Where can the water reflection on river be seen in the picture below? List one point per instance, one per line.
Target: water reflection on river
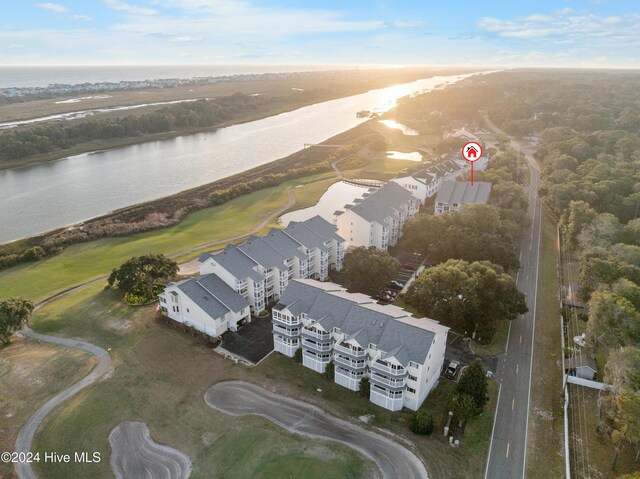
(336, 196)
(39, 198)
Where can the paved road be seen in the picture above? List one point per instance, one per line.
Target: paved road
(507, 453)
(25, 437)
(240, 398)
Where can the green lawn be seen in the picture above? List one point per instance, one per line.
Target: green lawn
(159, 377)
(30, 374)
(83, 262)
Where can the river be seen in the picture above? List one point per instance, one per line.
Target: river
(39, 198)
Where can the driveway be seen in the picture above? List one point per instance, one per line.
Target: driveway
(253, 341)
(458, 350)
(239, 398)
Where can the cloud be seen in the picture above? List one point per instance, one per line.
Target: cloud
(125, 7)
(565, 26)
(54, 7)
(539, 18)
(407, 23)
(225, 20)
(84, 18)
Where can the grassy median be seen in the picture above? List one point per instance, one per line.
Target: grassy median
(545, 451)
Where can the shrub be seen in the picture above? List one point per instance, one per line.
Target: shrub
(298, 355)
(365, 387)
(329, 371)
(421, 423)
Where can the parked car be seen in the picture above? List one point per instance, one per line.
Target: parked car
(451, 370)
(385, 298)
(388, 292)
(394, 283)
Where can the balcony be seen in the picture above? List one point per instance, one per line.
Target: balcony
(316, 334)
(361, 364)
(383, 392)
(385, 368)
(290, 321)
(350, 374)
(292, 333)
(394, 383)
(339, 348)
(316, 346)
(292, 343)
(316, 357)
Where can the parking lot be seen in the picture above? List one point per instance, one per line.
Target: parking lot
(252, 342)
(458, 350)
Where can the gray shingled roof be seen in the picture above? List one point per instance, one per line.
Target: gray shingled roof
(351, 315)
(305, 236)
(462, 192)
(382, 203)
(237, 263)
(262, 253)
(285, 244)
(323, 228)
(212, 295)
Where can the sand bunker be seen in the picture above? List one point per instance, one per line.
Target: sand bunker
(135, 454)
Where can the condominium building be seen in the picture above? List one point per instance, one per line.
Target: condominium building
(452, 195)
(260, 269)
(401, 355)
(425, 183)
(377, 219)
(205, 303)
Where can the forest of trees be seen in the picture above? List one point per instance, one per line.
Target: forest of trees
(589, 149)
(29, 141)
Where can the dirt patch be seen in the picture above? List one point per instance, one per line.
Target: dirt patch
(135, 454)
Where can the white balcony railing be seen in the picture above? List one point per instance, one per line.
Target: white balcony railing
(317, 334)
(316, 346)
(286, 332)
(388, 369)
(291, 321)
(339, 348)
(395, 383)
(350, 374)
(390, 394)
(350, 363)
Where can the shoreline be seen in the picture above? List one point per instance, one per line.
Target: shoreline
(191, 195)
(173, 208)
(344, 89)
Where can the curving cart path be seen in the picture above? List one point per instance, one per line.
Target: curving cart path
(239, 398)
(26, 434)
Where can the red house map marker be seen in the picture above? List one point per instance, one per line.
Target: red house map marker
(472, 152)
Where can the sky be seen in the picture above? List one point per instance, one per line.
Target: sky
(504, 33)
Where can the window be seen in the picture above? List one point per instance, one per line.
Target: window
(187, 310)
(412, 378)
(411, 390)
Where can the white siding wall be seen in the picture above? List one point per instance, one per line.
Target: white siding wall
(355, 230)
(191, 315)
(417, 188)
